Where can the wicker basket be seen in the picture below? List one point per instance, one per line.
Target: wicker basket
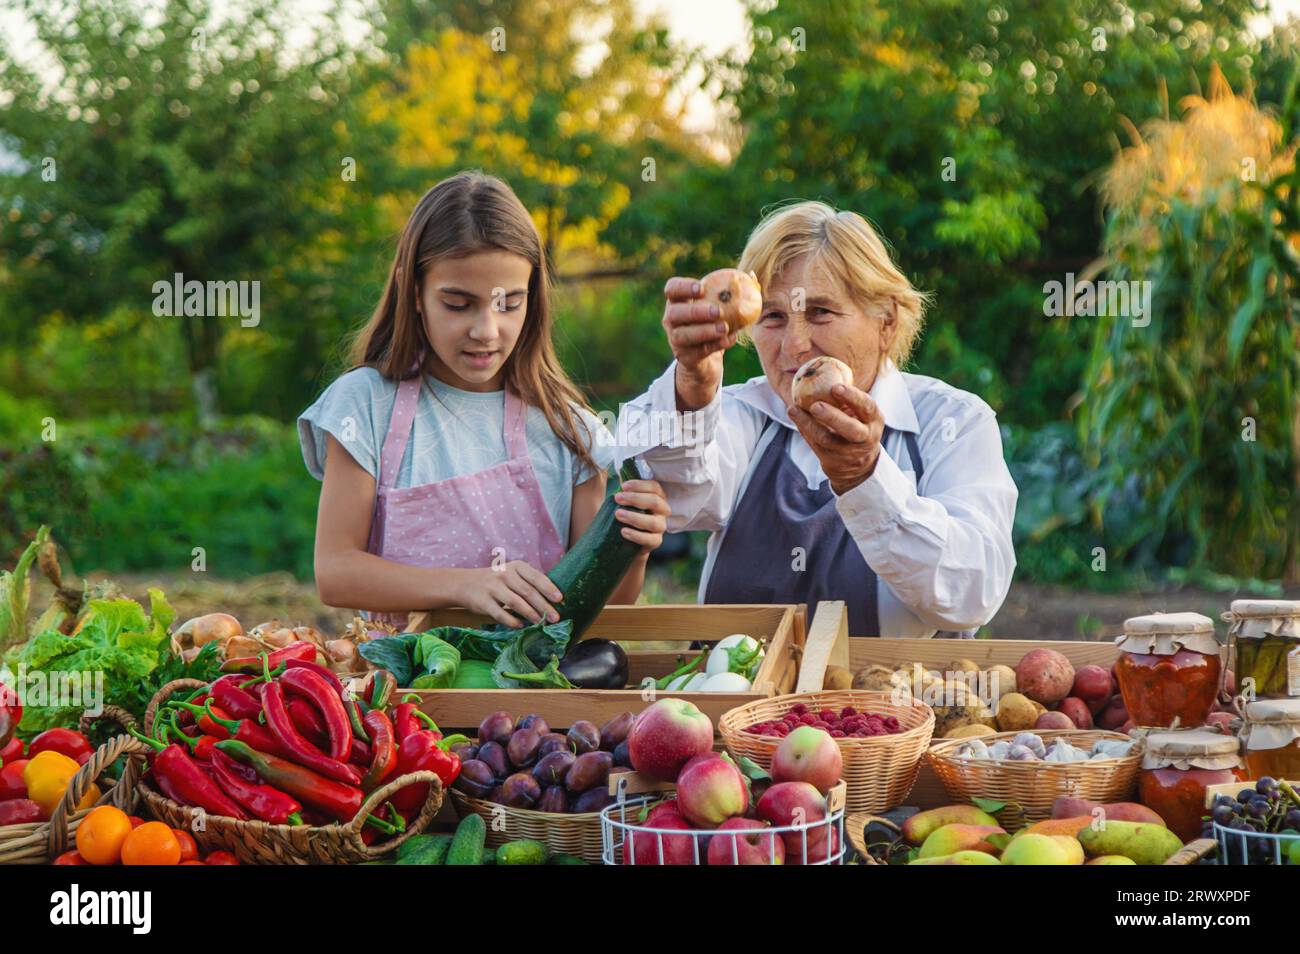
(1030, 788)
(258, 842)
(570, 834)
(879, 770)
(39, 843)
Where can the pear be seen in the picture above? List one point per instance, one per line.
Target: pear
(1043, 850)
(959, 858)
(1141, 842)
(920, 826)
(951, 839)
(1110, 860)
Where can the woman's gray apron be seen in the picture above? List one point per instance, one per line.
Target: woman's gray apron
(785, 543)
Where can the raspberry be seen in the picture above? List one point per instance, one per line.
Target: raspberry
(837, 734)
(799, 708)
(848, 711)
(828, 715)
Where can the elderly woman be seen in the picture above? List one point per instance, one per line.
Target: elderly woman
(897, 501)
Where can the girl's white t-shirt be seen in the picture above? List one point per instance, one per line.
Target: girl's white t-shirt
(454, 433)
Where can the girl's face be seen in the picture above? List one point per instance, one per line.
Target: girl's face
(473, 310)
(806, 314)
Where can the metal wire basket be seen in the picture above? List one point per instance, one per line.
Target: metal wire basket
(818, 842)
(1255, 847)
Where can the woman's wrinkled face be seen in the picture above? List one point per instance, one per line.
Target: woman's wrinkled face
(473, 310)
(807, 314)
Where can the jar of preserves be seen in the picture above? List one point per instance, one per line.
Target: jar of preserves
(1265, 637)
(1178, 767)
(1271, 734)
(1168, 669)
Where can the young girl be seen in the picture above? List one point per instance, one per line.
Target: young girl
(458, 460)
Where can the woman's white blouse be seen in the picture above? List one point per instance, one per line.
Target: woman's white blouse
(942, 553)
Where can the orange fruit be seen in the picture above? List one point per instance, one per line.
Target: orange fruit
(101, 834)
(189, 847)
(153, 843)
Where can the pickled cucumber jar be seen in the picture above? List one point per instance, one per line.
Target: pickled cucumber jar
(1265, 637)
(1271, 734)
(1178, 767)
(1168, 669)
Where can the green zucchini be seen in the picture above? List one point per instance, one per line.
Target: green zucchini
(524, 851)
(467, 844)
(592, 569)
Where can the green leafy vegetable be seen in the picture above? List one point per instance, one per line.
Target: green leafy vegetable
(549, 677)
(438, 659)
(528, 653)
(15, 589)
(394, 653)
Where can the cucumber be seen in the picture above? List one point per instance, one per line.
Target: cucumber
(563, 859)
(424, 850)
(467, 844)
(594, 566)
(525, 851)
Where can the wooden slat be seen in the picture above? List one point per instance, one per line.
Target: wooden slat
(683, 622)
(827, 645)
(934, 653)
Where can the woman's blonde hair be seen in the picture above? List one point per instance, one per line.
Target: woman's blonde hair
(467, 213)
(848, 248)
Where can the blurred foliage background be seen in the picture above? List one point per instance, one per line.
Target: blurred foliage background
(1148, 140)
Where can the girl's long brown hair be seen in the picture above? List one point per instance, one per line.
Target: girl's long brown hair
(467, 213)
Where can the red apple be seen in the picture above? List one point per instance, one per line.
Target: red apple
(1077, 711)
(795, 803)
(1092, 685)
(752, 848)
(666, 736)
(644, 846)
(820, 846)
(809, 755)
(710, 790)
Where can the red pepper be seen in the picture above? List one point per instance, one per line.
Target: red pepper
(300, 750)
(64, 741)
(262, 661)
(335, 799)
(320, 693)
(225, 692)
(323, 671)
(210, 720)
(11, 780)
(185, 777)
(12, 752)
(19, 811)
(307, 720)
(383, 748)
(11, 713)
(267, 803)
(360, 754)
(421, 751)
(354, 719)
(404, 721)
(201, 745)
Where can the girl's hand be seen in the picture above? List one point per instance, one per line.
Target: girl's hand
(647, 528)
(510, 593)
(846, 444)
(698, 336)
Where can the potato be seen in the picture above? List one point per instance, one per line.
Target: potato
(837, 677)
(970, 731)
(737, 295)
(1015, 713)
(1001, 680)
(1044, 675)
(876, 678)
(950, 718)
(964, 665)
(815, 379)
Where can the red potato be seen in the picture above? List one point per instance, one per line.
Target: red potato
(1077, 711)
(1045, 676)
(1092, 684)
(1054, 720)
(1114, 715)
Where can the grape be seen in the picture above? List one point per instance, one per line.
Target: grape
(1266, 785)
(1246, 794)
(1223, 813)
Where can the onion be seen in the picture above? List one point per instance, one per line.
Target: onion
(238, 646)
(309, 634)
(815, 379)
(278, 638)
(737, 295)
(201, 630)
(342, 654)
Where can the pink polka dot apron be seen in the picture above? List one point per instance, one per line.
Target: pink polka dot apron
(497, 514)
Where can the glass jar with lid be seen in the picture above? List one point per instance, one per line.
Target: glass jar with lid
(1271, 734)
(1265, 637)
(1178, 767)
(1168, 669)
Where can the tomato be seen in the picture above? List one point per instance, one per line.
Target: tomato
(101, 834)
(70, 858)
(11, 780)
(153, 843)
(189, 847)
(221, 858)
(64, 741)
(199, 863)
(12, 752)
(136, 821)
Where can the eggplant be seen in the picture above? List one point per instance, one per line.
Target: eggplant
(596, 664)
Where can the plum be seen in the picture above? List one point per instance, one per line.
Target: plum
(533, 721)
(494, 755)
(475, 779)
(520, 791)
(588, 770)
(522, 747)
(553, 767)
(592, 800)
(497, 727)
(584, 737)
(615, 731)
(554, 799)
(552, 742)
(622, 755)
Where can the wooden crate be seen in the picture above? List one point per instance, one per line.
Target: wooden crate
(829, 642)
(779, 627)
